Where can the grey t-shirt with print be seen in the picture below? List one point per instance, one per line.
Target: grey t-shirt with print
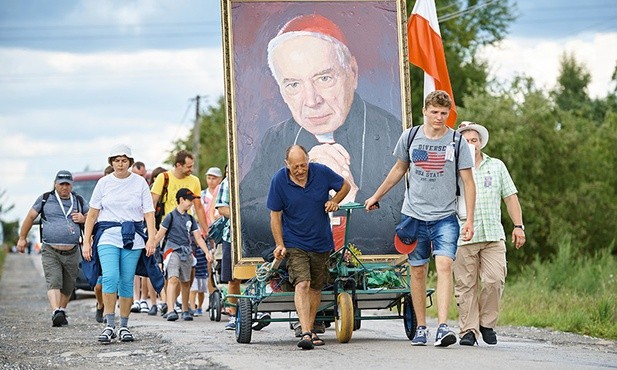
(431, 194)
(58, 229)
(180, 228)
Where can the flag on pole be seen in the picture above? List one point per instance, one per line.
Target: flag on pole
(426, 51)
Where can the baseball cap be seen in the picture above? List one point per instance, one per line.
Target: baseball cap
(406, 237)
(214, 171)
(64, 177)
(185, 193)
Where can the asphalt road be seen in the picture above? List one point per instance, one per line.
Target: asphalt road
(28, 341)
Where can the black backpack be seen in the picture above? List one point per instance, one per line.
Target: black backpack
(80, 208)
(456, 138)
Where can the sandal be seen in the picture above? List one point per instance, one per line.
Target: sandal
(316, 340)
(307, 341)
(107, 335)
(125, 335)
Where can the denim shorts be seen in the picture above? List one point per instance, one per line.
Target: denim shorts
(438, 237)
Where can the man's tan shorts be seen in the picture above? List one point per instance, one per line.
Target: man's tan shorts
(307, 266)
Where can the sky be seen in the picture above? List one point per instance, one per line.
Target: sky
(79, 76)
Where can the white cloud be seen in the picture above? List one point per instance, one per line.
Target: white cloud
(539, 59)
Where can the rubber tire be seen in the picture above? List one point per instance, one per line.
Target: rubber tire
(344, 321)
(244, 321)
(217, 306)
(409, 317)
(214, 303)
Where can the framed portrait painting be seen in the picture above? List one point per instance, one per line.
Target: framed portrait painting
(331, 76)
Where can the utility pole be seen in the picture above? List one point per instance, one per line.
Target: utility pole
(196, 138)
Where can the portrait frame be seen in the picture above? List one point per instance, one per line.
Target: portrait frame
(246, 26)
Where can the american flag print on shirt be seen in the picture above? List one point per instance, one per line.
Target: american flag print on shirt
(430, 161)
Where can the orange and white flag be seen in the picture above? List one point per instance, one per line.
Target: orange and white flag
(426, 51)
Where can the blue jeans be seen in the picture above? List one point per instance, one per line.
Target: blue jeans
(438, 237)
(118, 269)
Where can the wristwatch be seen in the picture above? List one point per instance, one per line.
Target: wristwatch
(520, 227)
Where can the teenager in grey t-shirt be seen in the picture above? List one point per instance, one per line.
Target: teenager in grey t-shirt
(431, 194)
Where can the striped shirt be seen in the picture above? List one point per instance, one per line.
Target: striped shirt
(493, 183)
(222, 200)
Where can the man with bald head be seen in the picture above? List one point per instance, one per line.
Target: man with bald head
(299, 203)
(317, 76)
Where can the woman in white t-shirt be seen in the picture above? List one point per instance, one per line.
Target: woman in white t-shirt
(115, 227)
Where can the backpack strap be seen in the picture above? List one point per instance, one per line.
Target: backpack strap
(171, 221)
(165, 185)
(412, 135)
(42, 213)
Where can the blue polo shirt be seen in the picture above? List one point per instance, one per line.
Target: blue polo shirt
(306, 224)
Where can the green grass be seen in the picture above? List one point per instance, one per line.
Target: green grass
(3, 250)
(569, 293)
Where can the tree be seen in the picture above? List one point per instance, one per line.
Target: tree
(212, 139)
(467, 26)
(9, 227)
(572, 83)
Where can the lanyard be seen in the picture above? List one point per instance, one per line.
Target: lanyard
(66, 213)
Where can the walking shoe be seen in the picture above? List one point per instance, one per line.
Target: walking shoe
(64, 322)
(445, 336)
(297, 329)
(231, 324)
(257, 325)
(99, 314)
(153, 310)
(135, 307)
(125, 335)
(469, 339)
(198, 312)
(107, 335)
(144, 307)
(187, 316)
(420, 338)
(319, 327)
(172, 316)
(178, 307)
(488, 335)
(163, 309)
(58, 318)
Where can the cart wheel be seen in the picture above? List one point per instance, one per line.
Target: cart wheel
(409, 317)
(357, 322)
(217, 306)
(244, 321)
(344, 321)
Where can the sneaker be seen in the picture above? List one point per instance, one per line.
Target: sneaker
(58, 318)
(187, 316)
(144, 307)
(172, 316)
(178, 307)
(198, 312)
(445, 336)
(64, 322)
(153, 310)
(420, 338)
(488, 335)
(297, 329)
(231, 324)
(107, 335)
(257, 325)
(99, 314)
(469, 339)
(163, 309)
(135, 307)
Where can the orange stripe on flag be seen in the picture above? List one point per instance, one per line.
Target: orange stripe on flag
(426, 51)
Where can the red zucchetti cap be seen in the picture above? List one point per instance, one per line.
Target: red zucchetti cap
(314, 23)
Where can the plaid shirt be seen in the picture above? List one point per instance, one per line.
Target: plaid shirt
(493, 183)
(222, 200)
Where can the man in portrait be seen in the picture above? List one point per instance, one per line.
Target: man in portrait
(317, 77)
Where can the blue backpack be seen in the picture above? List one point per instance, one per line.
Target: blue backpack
(215, 231)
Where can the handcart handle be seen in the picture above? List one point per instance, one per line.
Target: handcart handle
(351, 205)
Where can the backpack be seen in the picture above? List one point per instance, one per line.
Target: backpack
(215, 230)
(159, 210)
(456, 138)
(80, 209)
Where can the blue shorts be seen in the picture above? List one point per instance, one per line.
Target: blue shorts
(438, 237)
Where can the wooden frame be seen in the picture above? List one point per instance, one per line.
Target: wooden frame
(375, 34)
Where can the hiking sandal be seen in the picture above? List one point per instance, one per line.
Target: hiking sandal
(125, 335)
(306, 342)
(316, 340)
(107, 335)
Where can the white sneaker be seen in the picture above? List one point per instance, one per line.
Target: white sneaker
(231, 325)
